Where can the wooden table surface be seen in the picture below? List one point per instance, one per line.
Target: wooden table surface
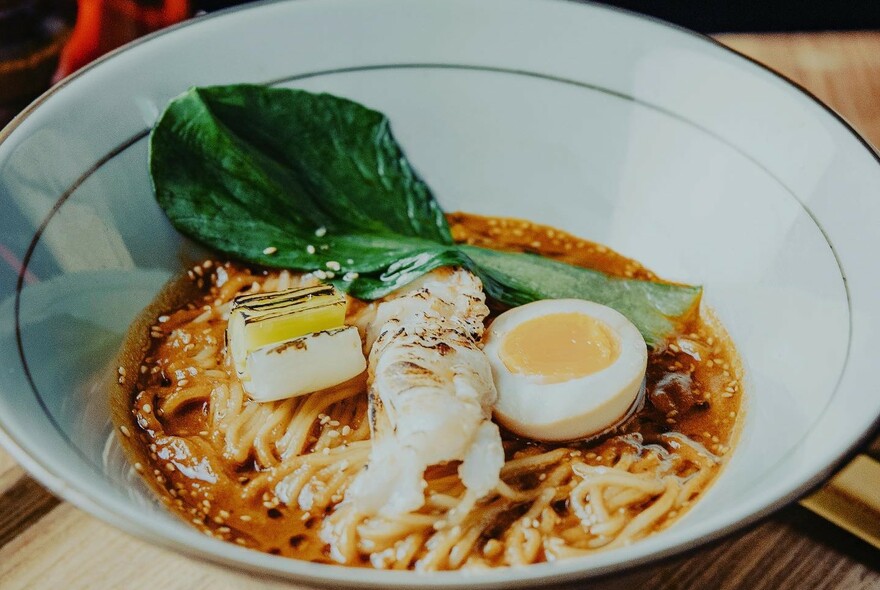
(45, 543)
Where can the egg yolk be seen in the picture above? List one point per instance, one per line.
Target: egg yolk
(559, 347)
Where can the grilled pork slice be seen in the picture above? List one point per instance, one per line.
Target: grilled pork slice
(430, 393)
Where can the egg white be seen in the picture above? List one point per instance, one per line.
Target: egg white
(573, 409)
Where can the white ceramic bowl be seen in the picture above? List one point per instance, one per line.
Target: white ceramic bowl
(653, 140)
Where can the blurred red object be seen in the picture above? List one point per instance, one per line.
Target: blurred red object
(104, 25)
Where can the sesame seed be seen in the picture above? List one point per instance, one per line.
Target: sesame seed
(333, 434)
(245, 518)
(325, 451)
(147, 408)
(492, 548)
(330, 274)
(124, 430)
(223, 513)
(349, 261)
(333, 265)
(346, 430)
(138, 467)
(182, 382)
(310, 249)
(163, 319)
(321, 232)
(208, 264)
(350, 276)
(320, 274)
(270, 250)
(169, 466)
(334, 422)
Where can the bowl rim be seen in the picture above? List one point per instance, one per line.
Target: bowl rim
(84, 500)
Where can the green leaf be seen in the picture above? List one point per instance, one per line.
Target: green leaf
(512, 278)
(246, 168)
(291, 179)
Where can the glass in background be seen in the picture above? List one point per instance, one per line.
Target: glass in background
(42, 41)
(32, 36)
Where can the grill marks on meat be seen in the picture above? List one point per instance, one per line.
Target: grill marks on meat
(430, 393)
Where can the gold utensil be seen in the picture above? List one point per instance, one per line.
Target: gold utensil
(851, 500)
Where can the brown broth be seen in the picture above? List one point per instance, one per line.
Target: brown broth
(693, 388)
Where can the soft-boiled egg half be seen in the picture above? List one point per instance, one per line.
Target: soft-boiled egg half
(565, 369)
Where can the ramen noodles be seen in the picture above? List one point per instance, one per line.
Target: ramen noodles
(277, 476)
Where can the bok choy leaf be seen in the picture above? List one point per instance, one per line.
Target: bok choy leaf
(291, 179)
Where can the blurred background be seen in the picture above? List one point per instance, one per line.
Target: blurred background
(41, 41)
